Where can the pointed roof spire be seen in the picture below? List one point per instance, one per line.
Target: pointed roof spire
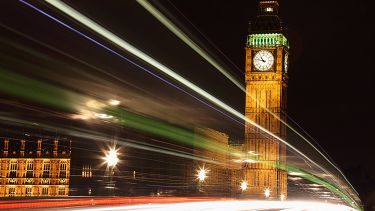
(267, 20)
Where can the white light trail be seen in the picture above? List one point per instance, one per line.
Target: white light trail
(227, 205)
(114, 102)
(180, 34)
(146, 58)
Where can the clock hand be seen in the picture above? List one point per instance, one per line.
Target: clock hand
(262, 59)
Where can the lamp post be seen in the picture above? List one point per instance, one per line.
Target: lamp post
(201, 176)
(267, 193)
(111, 159)
(243, 185)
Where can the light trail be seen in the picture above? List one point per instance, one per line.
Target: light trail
(180, 34)
(96, 136)
(126, 46)
(128, 60)
(149, 60)
(169, 203)
(229, 205)
(185, 38)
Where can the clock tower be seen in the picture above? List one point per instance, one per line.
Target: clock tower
(266, 87)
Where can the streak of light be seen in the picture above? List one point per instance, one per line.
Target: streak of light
(130, 61)
(114, 102)
(229, 205)
(103, 116)
(96, 136)
(295, 178)
(126, 46)
(149, 60)
(180, 34)
(185, 38)
(144, 124)
(296, 173)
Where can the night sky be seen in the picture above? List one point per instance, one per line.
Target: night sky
(332, 77)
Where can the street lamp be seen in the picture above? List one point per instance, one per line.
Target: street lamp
(202, 174)
(267, 192)
(111, 158)
(243, 185)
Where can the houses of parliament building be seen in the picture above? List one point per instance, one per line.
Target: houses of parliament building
(34, 167)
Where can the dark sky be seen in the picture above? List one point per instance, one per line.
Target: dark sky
(331, 73)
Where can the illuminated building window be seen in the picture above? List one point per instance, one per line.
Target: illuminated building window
(62, 170)
(86, 172)
(46, 168)
(29, 181)
(12, 191)
(45, 181)
(61, 191)
(62, 181)
(12, 181)
(45, 191)
(269, 9)
(13, 169)
(29, 191)
(29, 169)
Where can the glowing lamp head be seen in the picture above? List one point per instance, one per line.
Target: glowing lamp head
(243, 185)
(267, 192)
(111, 158)
(202, 174)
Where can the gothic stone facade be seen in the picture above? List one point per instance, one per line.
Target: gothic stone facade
(34, 167)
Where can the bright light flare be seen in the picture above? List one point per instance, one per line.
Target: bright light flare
(202, 174)
(267, 192)
(111, 158)
(243, 185)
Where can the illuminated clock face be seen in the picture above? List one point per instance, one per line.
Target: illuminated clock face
(286, 63)
(263, 60)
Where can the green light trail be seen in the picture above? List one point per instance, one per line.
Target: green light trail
(39, 92)
(52, 96)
